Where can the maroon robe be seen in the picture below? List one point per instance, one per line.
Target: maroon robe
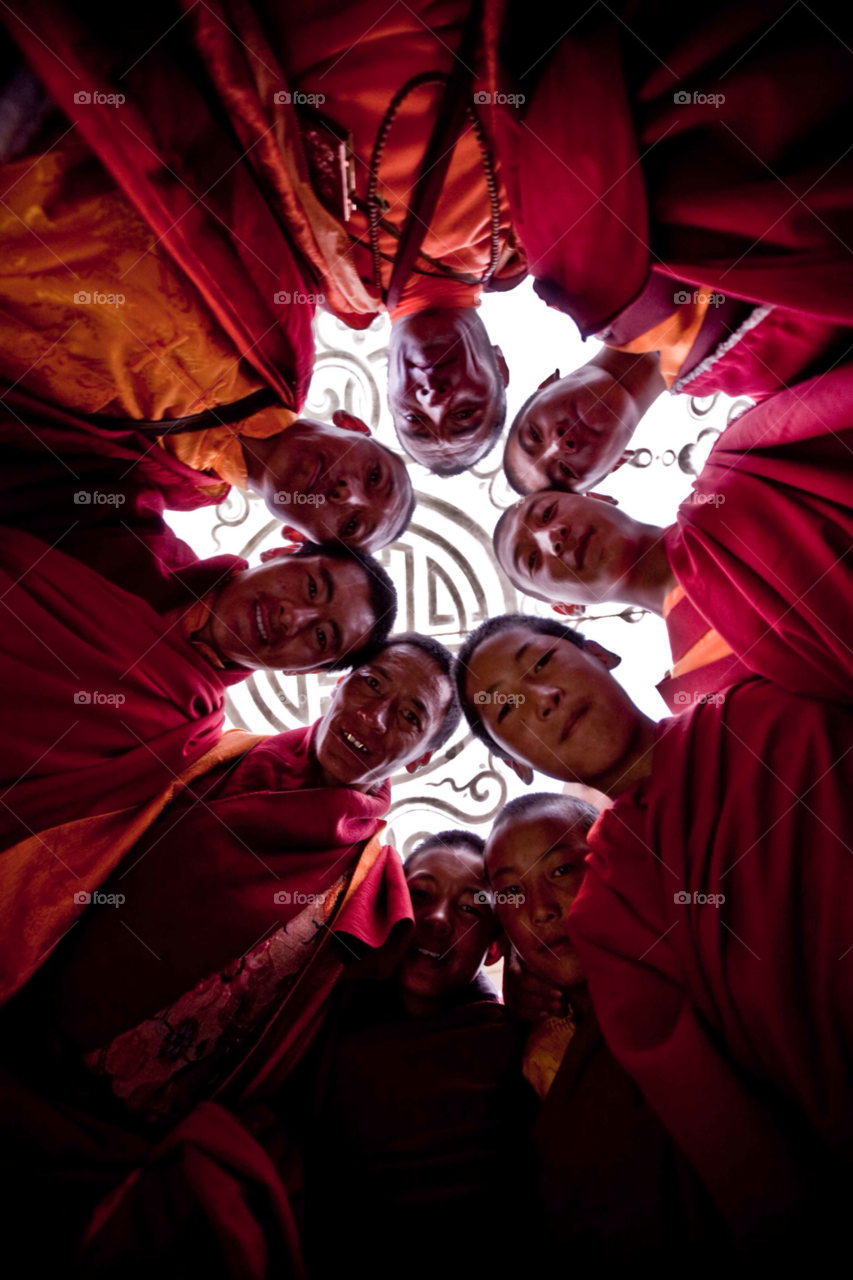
(763, 547)
(412, 1121)
(749, 197)
(204, 1189)
(615, 1187)
(734, 1014)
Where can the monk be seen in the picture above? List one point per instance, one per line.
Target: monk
(714, 910)
(752, 578)
(418, 1097)
(277, 882)
(613, 1183)
(152, 376)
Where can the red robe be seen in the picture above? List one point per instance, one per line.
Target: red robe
(411, 1119)
(171, 148)
(71, 645)
(735, 1016)
(244, 834)
(763, 547)
(750, 197)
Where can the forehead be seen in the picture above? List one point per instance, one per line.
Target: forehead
(412, 672)
(522, 842)
(345, 573)
(450, 866)
(503, 646)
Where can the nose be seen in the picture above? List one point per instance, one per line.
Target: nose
(374, 715)
(438, 917)
(346, 490)
(545, 909)
(546, 702)
(553, 540)
(562, 439)
(292, 618)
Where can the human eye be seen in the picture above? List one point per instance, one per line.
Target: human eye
(374, 477)
(412, 718)
(312, 586)
(546, 515)
(543, 661)
(322, 641)
(350, 527)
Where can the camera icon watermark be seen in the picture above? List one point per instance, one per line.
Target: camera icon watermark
(482, 98)
(83, 698)
(682, 98)
(683, 296)
(684, 899)
(284, 898)
(283, 299)
(286, 498)
(82, 98)
(481, 697)
(490, 898)
(299, 99)
(84, 899)
(83, 298)
(88, 497)
(683, 698)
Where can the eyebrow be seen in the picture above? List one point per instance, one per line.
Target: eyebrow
(421, 706)
(329, 583)
(522, 651)
(338, 642)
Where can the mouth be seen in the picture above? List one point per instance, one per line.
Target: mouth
(262, 629)
(558, 946)
(581, 547)
(352, 741)
(573, 719)
(434, 957)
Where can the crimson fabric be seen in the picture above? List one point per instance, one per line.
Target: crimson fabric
(31, 425)
(763, 547)
(685, 625)
(205, 1197)
(70, 641)
(614, 1185)
(735, 1017)
(413, 1120)
(224, 847)
(118, 529)
(750, 196)
(171, 149)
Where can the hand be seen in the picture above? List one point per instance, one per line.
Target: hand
(528, 998)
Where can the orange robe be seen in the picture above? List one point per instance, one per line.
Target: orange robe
(358, 56)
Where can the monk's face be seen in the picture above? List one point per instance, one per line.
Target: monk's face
(383, 717)
(335, 485)
(551, 705)
(445, 386)
(566, 548)
(573, 433)
(454, 923)
(535, 866)
(296, 613)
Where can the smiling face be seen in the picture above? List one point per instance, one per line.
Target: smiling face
(536, 867)
(568, 549)
(342, 486)
(445, 386)
(551, 705)
(573, 433)
(454, 923)
(294, 614)
(383, 716)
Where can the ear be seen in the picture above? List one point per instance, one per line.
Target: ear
(349, 422)
(497, 950)
(604, 656)
(552, 377)
(522, 771)
(289, 533)
(569, 610)
(273, 553)
(626, 457)
(419, 764)
(605, 497)
(502, 365)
